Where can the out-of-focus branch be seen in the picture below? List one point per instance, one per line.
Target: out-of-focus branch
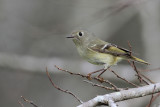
(149, 70)
(125, 4)
(123, 95)
(60, 89)
(28, 101)
(26, 62)
(30, 63)
(21, 103)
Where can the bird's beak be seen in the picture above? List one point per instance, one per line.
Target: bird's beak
(72, 36)
(69, 37)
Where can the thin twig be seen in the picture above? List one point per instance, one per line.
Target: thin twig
(21, 104)
(70, 72)
(108, 82)
(85, 76)
(135, 68)
(139, 75)
(147, 79)
(98, 85)
(148, 70)
(130, 48)
(155, 97)
(123, 78)
(132, 64)
(60, 89)
(31, 102)
(151, 100)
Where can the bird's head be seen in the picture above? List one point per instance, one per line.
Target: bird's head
(80, 37)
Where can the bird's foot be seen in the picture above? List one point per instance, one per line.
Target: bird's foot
(100, 79)
(89, 76)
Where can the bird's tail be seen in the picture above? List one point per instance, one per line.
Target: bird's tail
(139, 60)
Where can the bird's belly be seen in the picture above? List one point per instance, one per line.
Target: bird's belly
(98, 58)
(101, 59)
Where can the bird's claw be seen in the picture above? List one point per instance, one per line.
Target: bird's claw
(100, 79)
(89, 76)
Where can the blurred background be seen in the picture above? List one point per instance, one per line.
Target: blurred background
(32, 37)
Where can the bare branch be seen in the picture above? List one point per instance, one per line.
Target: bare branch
(28, 101)
(147, 79)
(60, 89)
(139, 75)
(85, 76)
(151, 98)
(21, 104)
(148, 70)
(123, 78)
(130, 48)
(154, 98)
(70, 72)
(108, 82)
(101, 86)
(133, 64)
(122, 95)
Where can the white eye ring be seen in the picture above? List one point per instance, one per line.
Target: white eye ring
(80, 33)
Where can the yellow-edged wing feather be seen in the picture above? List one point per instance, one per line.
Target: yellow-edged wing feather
(116, 51)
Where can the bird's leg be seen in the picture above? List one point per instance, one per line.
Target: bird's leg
(89, 74)
(104, 70)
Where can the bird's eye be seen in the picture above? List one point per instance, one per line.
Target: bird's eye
(80, 33)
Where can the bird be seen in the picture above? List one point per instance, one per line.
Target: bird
(99, 52)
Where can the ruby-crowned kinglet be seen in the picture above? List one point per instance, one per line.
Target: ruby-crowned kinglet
(99, 52)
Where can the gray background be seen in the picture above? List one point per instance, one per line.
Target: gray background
(32, 36)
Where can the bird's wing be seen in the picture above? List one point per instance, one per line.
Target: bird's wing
(125, 50)
(111, 49)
